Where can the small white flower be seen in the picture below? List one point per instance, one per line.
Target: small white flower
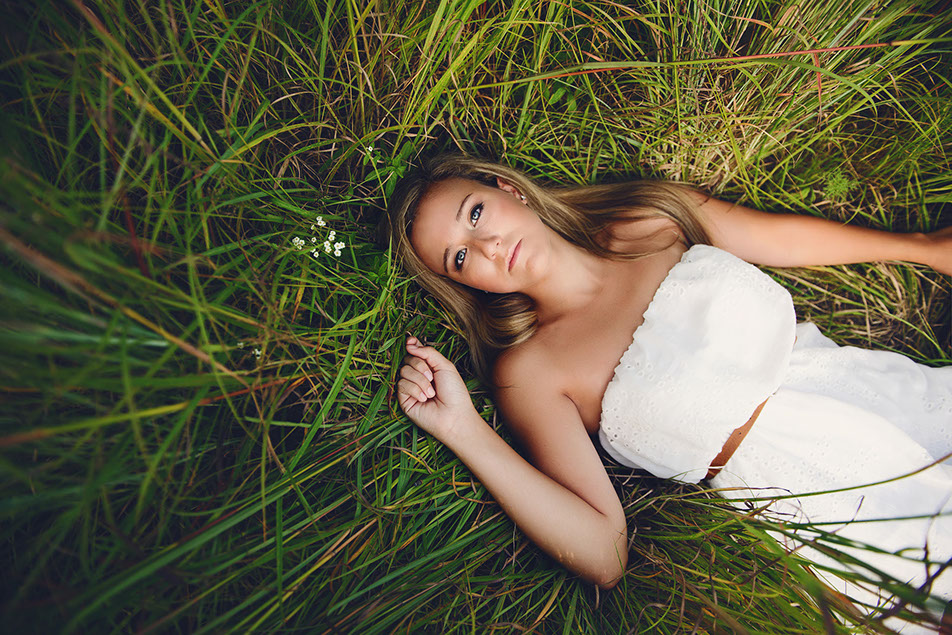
(313, 239)
(297, 242)
(332, 235)
(370, 149)
(320, 222)
(241, 344)
(313, 228)
(257, 352)
(337, 252)
(339, 245)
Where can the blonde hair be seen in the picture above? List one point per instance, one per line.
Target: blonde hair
(492, 322)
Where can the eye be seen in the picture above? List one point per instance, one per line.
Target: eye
(475, 213)
(460, 257)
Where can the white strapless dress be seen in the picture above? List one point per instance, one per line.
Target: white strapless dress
(719, 338)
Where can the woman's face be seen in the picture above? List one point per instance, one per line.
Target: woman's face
(482, 236)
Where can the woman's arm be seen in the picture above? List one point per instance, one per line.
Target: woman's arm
(578, 521)
(791, 240)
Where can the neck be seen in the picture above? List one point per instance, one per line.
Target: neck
(575, 277)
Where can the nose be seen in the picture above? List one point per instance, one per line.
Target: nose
(489, 246)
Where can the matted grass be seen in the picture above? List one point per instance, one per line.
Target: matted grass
(198, 432)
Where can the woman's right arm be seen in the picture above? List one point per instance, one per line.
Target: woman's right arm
(569, 508)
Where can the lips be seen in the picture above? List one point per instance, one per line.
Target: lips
(514, 255)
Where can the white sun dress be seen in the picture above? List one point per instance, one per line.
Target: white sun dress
(718, 339)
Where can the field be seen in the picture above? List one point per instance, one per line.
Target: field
(197, 427)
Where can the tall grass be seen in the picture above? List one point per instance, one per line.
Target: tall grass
(198, 431)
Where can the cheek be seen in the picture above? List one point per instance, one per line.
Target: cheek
(478, 277)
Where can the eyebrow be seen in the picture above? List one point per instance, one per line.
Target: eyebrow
(459, 212)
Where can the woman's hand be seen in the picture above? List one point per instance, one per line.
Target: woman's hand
(431, 392)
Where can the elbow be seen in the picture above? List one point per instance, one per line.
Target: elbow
(614, 564)
(610, 577)
(608, 585)
(603, 569)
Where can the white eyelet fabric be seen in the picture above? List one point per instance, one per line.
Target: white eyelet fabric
(719, 337)
(716, 341)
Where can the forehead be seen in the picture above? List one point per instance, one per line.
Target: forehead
(446, 193)
(436, 217)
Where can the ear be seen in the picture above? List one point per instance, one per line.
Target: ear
(506, 186)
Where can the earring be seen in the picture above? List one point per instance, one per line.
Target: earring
(523, 197)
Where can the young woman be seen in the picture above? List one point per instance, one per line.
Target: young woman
(718, 380)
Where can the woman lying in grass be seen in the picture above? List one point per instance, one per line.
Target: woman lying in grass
(718, 381)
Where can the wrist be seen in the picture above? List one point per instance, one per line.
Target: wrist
(465, 431)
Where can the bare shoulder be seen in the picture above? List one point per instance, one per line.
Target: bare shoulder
(527, 366)
(654, 233)
(528, 382)
(643, 235)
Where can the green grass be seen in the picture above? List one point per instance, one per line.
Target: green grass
(159, 158)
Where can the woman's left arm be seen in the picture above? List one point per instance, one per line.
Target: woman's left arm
(791, 240)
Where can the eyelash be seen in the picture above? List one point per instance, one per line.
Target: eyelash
(477, 211)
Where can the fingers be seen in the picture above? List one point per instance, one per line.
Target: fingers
(416, 374)
(409, 395)
(427, 353)
(419, 365)
(419, 381)
(423, 369)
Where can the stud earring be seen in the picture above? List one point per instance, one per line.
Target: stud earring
(523, 197)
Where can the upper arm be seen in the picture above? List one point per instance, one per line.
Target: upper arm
(795, 240)
(750, 234)
(548, 424)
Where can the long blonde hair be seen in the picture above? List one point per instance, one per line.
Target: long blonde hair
(493, 322)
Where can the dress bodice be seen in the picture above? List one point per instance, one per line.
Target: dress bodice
(715, 342)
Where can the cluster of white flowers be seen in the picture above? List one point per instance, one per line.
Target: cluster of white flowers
(331, 245)
(335, 247)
